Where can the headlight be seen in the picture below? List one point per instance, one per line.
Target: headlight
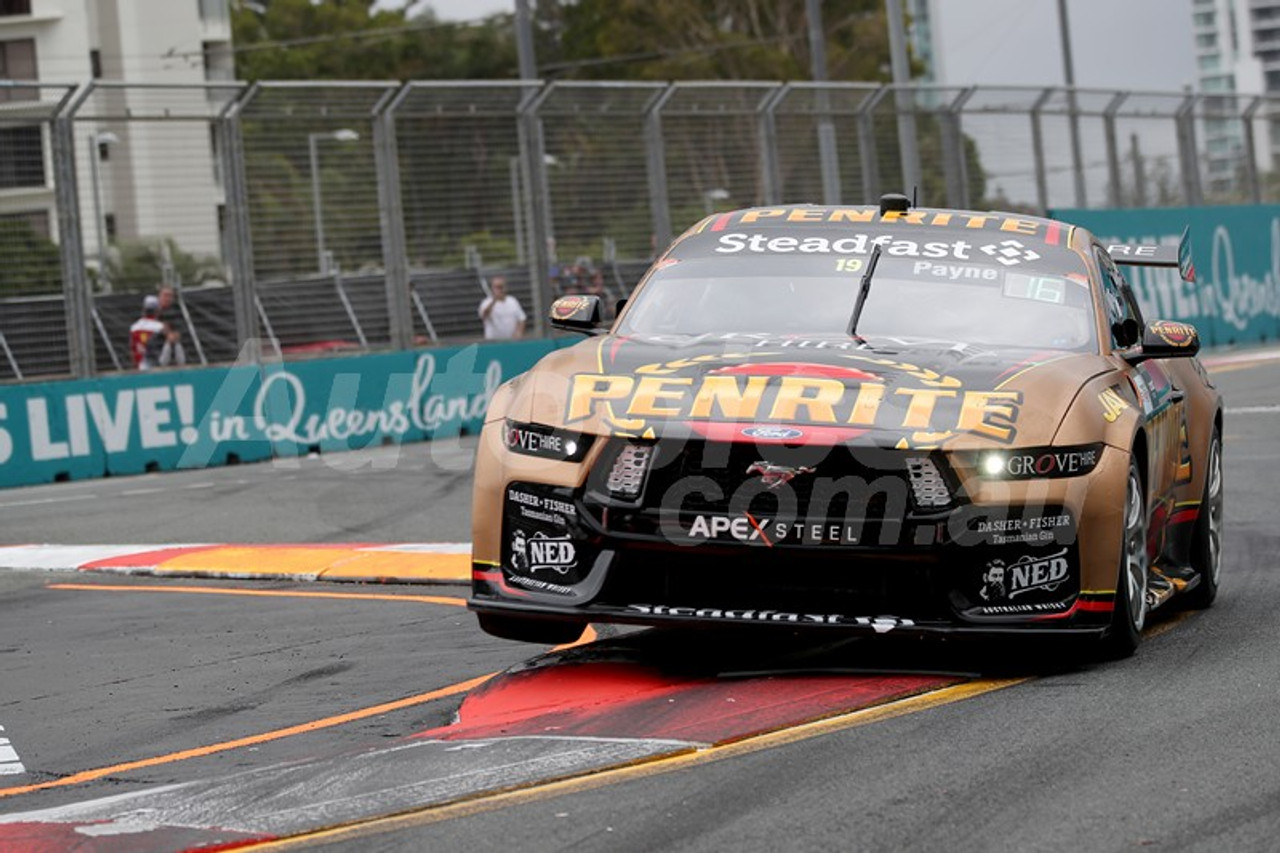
(545, 442)
(1039, 463)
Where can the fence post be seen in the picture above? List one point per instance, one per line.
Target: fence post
(767, 133)
(533, 154)
(1187, 157)
(1251, 150)
(244, 285)
(1114, 196)
(1037, 150)
(75, 284)
(953, 159)
(655, 158)
(386, 158)
(868, 159)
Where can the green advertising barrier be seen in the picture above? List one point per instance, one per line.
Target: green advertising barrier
(1236, 250)
(165, 420)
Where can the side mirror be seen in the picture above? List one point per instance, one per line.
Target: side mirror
(1167, 339)
(576, 314)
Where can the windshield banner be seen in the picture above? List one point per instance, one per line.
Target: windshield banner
(163, 420)
(1236, 252)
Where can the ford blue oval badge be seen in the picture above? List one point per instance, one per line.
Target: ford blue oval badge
(772, 432)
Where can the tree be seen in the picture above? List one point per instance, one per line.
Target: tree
(32, 264)
(709, 39)
(349, 40)
(140, 266)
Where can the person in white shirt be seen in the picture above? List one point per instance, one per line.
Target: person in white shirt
(501, 312)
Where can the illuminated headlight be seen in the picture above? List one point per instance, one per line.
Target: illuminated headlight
(1040, 463)
(545, 442)
(993, 464)
(927, 483)
(626, 478)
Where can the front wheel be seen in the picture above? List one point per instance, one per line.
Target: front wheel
(1206, 543)
(1130, 614)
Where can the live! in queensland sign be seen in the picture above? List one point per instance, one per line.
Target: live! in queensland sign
(163, 420)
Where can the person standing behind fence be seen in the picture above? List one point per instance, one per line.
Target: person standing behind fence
(166, 295)
(503, 317)
(151, 343)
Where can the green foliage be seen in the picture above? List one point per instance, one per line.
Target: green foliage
(709, 39)
(138, 267)
(494, 250)
(32, 264)
(348, 40)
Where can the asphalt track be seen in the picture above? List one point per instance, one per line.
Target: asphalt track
(164, 713)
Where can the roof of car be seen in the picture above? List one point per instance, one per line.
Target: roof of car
(834, 221)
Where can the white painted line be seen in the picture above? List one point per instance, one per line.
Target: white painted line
(66, 558)
(10, 764)
(424, 548)
(40, 501)
(1238, 357)
(1253, 410)
(129, 493)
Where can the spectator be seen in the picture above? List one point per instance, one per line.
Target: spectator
(166, 295)
(151, 342)
(596, 288)
(502, 315)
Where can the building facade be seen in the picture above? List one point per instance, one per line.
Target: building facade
(128, 173)
(1237, 48)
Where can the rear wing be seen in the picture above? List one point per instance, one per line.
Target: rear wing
(1153, 255)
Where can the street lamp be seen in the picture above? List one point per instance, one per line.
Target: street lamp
(96, 141)
(710, 197)
(345, 134)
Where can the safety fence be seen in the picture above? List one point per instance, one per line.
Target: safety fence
(295, 217)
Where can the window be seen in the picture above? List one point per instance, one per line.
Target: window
(1117, 297)
(95, 63)
(15, 7)
(23, 162)
(18, 62)
(109, 222)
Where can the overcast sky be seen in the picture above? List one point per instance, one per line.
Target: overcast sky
(1117, 44)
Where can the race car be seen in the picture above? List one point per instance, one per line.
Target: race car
(869, 418)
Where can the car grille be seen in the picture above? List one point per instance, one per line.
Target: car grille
(813, 482)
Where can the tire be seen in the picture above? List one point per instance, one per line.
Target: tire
(1130, 615)
(543, 631)
(1206, 541)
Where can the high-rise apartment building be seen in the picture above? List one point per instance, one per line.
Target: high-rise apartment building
(140, 167)
(1237, 46)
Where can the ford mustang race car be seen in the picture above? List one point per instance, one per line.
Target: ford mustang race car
(861, 419)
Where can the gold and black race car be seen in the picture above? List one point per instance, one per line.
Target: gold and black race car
(861, 419)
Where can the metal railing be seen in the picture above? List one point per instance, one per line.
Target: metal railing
(368, 215)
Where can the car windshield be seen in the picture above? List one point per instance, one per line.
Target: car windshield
(1042, 306)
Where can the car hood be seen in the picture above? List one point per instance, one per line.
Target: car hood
(826, 390)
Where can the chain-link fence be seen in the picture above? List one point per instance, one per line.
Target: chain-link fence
(294, 218)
